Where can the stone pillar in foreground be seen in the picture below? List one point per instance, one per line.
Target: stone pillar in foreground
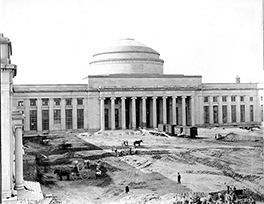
(17, 126)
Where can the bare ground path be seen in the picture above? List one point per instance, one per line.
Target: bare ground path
(206, 165)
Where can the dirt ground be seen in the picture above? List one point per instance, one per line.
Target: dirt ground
(205, 164)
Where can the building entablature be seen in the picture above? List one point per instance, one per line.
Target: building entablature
(229, 86)
(49, 88)
(157, 88)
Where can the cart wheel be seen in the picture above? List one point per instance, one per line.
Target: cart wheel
(85, 175)
(75, 176)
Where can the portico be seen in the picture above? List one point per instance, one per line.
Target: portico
(131, 112)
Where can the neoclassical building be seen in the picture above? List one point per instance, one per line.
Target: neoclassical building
(129, 90)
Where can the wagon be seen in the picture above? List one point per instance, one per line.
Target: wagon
(85, 170)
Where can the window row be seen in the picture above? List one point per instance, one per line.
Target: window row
(224, 114)
(224, 98)
(33, 119)
(45, 102)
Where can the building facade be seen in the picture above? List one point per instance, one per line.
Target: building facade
(129, 90)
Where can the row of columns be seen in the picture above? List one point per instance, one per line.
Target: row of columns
(51, 107)
(144, 119)
(229, 103)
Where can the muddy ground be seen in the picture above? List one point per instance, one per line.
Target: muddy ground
(205, 164)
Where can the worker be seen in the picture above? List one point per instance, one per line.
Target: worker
(179, 178)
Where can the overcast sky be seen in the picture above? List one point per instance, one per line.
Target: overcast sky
(53, 41)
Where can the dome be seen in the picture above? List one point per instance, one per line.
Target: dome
(127, 56)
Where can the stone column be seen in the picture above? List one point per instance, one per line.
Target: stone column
(51, 114)
(39, 114)
(247, 109)
(123, 101)
(144, 112)
(164, 110)
(220, 110)
(27, 120)
(257, 111)
(102, 113)
(174, 117)
(211, 112)
(183, 111)
(193, 110)
(74, 113)
(63, 122)
(201, 110)
(154, 98)
(134, 112)
(113, 113)
(18, 124)
(19, 158)
(228, 98)
(238, 120)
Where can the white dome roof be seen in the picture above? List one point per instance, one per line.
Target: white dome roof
(129, 56)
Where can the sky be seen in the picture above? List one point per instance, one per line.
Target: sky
(53, 41)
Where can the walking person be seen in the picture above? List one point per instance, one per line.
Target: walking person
(179, 178)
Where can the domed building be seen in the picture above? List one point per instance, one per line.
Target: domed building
(128, 90)
(127, 56)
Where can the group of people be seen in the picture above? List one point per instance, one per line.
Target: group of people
(228, 197)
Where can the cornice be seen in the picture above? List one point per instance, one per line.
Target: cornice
(122, 60)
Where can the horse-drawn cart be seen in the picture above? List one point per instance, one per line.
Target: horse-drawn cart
(81, 170)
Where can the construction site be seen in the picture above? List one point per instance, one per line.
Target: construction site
(142, 166)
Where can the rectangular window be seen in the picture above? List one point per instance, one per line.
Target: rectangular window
(251, 113)
(224, 98)
(79, 101)
(45, 119)
(68, 101)
(206, 99)
(57, 116)
(215, 111)
(241, 98)
(20, 103)
(45, 102)
(215, 99)
(33, 119)
(233, 98)
(224, 112)
(32, 102)
(206, 114)
(57, 101)
(233, 113)
(80, 118)
(242, 113)
(68, 118)
(251, 98)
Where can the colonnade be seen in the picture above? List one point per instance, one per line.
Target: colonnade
(240, 113)
(146, 111)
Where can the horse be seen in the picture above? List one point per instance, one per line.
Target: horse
(63, 172)
(124, 143)
(137, 142)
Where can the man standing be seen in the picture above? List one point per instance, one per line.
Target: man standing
(179, 178)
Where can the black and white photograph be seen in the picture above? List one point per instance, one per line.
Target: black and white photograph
(131, 102)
